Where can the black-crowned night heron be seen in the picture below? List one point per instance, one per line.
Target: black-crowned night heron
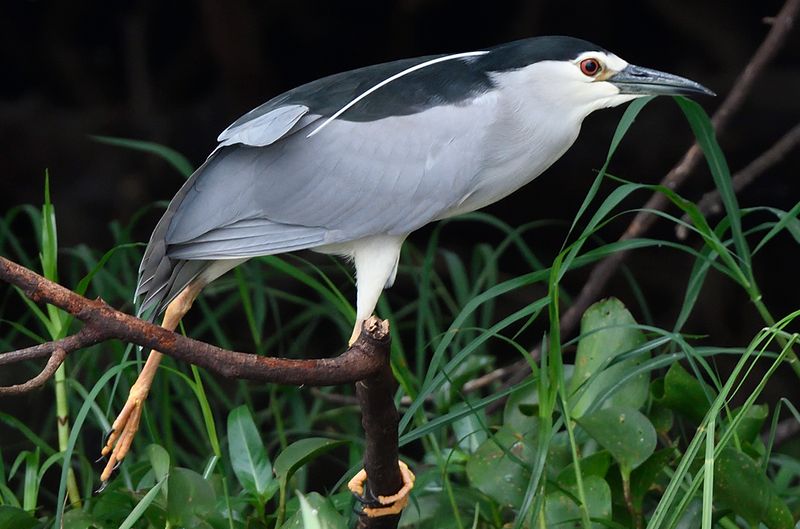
(351, 164)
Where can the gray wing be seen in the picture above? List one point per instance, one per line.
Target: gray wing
(269, 188)
(351, 180)
(265, 129)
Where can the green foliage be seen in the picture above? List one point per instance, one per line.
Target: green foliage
(626, 426)
(248, 457)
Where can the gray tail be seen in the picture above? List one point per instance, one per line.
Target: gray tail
(162, 278)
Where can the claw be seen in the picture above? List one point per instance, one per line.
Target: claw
(368, 498)
(382, 505)
(107, 436)
(103, 485)
(101, 459)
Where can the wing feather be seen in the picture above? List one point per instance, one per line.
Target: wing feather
(264, 129)
(271, 188)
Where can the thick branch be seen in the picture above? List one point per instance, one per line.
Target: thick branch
(103, 323)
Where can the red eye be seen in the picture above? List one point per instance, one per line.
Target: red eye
(591, 67)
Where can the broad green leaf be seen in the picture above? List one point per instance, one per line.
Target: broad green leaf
(143, 504)
(500, 467)
(159, 460)
(608, 330)
(596, 464)
(520, 411)
(561, 511)
(425, 511)
(111, 508)
(16, 518)
(316, 512)
(742, 486)
(190, 498)
(661, 417)
(624, 432)
(74, 519)
(248, 455)
(299, 453)
(683, 393)
(645, 476)
(470, 430)
(750, 425)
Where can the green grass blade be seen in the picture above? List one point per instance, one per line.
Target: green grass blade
(137, 512)
(706, 138)
(622, 128)
(171, 156)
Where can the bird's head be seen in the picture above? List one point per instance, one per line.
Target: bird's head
(578, 76)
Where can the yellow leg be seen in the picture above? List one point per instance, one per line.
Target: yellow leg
(393, 504)
(127, 422)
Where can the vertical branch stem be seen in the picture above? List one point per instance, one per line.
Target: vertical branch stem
(379, 418)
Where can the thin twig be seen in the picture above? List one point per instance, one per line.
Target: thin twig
(55, 360)
(710, 203)
(86, 337)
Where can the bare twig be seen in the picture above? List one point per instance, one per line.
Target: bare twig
(55, 360)
(103, 323)
(710, 202)
(84, 338)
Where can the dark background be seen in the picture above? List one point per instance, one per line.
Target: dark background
(178, 72)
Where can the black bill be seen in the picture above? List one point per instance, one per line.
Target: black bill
(644, 81)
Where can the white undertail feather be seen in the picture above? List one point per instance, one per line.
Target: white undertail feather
(375, 259)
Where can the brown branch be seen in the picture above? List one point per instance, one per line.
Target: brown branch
(84, 338)
(781, 26)
(375, 396)
(366, 362)
(710, 203)
(101, 322)
(55, 360)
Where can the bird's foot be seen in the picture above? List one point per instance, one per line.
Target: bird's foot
(119, 439)
(382, 505)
